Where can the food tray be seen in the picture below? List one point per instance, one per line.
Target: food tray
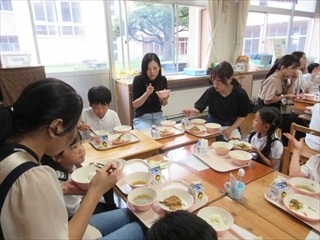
(203, 134)
(175, 133)
(217, 162)
(97, 146)
(314, 224)
(236, 232)
(148, 217)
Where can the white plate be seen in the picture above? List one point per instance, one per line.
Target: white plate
(236, 142)
(124, 138)
(185, 196)
(310, 209)
(200, 127)
(169, 129)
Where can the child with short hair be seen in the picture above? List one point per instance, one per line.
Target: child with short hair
(263, 138)
(98, 116)
(181, 224)
(64, 164)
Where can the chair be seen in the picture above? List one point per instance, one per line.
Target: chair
(14, 80)
(306, 152)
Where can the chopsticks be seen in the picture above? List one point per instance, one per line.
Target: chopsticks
(92, 130)
(101, 165)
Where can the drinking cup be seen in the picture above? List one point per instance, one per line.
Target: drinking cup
(235, 192)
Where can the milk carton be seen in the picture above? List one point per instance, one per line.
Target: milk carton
(104, 141)
(202, 146)
(196, 189)
(185, 122)
(278, 189)
(155, 170)
(155, 133)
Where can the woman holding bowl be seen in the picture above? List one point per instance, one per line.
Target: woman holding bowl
(145, 100)
(228, 102)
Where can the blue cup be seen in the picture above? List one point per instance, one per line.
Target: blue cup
(235, 192)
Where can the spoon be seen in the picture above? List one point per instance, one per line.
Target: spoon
(241, 173)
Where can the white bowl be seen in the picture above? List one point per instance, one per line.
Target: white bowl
(207, 213)
(165, 131)
(122, 128)
(163, 93)
(184, 195)
(222, 148)
(121, 163)
(198, 121)
(82, 176)
(139, 179)
(305, 186)
(124, 138)
(240, 157)
(212, 127)
(309, 96)
(240, 145)
(310, 209)
(142, 198)
(168, 123)
(199, 128)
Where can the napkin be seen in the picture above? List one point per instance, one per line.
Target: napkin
(195, 163)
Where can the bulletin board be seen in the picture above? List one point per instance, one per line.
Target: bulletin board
(279, 45)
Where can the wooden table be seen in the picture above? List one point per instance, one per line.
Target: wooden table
(178, 172)
(255, 201)
(145, 148)
(253, 172)
(250, 221)
(303, 103)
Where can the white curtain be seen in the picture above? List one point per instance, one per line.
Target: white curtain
(242, 15)
(215, 16)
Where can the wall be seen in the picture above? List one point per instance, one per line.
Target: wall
(82, 81)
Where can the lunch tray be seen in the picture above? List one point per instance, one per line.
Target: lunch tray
(203, 134)
(314, 224)
(236, 232)
(215, 161)
(148, 217)
(175, 133)
(97, 146)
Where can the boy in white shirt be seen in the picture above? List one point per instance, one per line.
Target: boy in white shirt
(312, 141)
(98, 116)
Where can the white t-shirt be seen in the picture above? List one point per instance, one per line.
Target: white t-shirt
(276, 148)
(312, 86)
(312, 168)
(108, 122)
(313, 142)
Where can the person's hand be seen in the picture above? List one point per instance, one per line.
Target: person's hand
(149, 89)
(70, 188)
(84, 127)
(226, 133)
(105, 178)
(190, 112)
(290, 96)
(254, 149)
(314, 72)
(294, 77)
(296, 144)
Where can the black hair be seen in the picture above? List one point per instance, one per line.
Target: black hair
(39, 104)
(181, 224)
(312, 66)
(271, 116)
(47, 160)
(144, 68)
(99, 95)
(286, 61)
(224, 71)
(299, 54)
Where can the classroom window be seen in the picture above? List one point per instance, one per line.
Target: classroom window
(9, 44)
(5, 5)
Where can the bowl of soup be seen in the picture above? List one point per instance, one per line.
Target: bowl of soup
(222, 148)
(305, 186)
(141, 199)
(240, 157)
(139, 179)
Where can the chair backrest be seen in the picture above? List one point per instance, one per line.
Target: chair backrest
(287, 155)
(14, 80)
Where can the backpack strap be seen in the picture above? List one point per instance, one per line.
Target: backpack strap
(10, 179)
(251, 135)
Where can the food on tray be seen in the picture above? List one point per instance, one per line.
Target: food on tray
(195, 128)
(165, 131)
(294, 204)
(142, 199)
(222, 148)
(139, 182)
(173, 202)
(305, 188)
(239, 156)
(242, 145)
(217, 222)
